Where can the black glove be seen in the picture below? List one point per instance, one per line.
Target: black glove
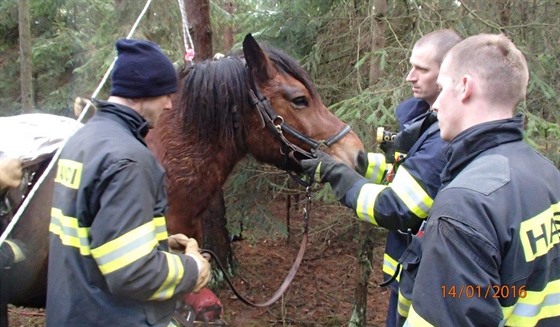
(362, 163)
(11, 252)
(324, 169)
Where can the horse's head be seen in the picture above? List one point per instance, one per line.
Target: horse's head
(287, 101)
(262, 103)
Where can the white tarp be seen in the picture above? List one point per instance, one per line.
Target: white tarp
(31, 137)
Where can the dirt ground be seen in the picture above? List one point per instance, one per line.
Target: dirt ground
(321, 293)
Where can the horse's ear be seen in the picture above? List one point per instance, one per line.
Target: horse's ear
(259, 65)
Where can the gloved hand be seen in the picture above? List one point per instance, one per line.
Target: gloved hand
(191, 249)
(10, 172)
(11, 252)
(325, 169)
(362, 163)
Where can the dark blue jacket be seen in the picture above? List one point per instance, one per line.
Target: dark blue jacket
(490, 252)
(108, 259)
(403, 203)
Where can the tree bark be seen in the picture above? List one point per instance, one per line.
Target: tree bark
(229, 7)
(198, 15)
(378, 26)
(504, 8)
(26, 64)
(365, 264)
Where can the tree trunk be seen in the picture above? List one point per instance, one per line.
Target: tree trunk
(229, 7)
(365, 264)
(198, 15)
(504, 8)
(215, 233)
(378, 25)
(26, 65)
(119, 4)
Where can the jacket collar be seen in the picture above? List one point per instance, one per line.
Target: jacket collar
(470, 143)
(126, 116)
(410, 110)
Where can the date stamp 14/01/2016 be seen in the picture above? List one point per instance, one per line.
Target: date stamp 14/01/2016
(483, 292)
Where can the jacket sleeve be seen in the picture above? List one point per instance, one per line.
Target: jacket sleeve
(129, 237)
(455, 278)
(405, 202)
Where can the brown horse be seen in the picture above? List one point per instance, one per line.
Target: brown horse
(261, 103)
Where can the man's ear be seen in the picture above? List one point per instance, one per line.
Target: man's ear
(467, 87)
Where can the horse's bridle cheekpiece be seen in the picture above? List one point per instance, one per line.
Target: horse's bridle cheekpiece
(278, 127)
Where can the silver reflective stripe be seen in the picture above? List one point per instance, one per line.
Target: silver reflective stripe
(366, 201)
(411, 193)
(125, 249)
(531, 310)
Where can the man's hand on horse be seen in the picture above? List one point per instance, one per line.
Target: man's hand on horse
(11, 172)
(325, 169)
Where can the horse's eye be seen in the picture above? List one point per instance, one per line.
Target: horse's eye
(300, 102)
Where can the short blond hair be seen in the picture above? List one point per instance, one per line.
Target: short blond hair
(441, 41)
(495, 60)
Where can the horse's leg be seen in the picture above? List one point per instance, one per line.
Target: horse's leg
(215, 234)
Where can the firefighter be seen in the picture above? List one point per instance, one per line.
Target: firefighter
(489, 254)
(399, 195)
(110, 262)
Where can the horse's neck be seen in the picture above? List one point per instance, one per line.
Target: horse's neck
(203, 167)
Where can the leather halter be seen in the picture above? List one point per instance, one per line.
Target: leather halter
(278, 127)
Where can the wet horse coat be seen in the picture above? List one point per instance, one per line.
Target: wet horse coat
(214, 123)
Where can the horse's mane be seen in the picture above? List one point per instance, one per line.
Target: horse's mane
(213, 89)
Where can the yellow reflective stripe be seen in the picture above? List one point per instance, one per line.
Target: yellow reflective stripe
(366, 201)
(376, 167)
(399, 156)
(536, 305)
(390, 266)
(69, 173)
(411, 193)
(161, 228)
(174, 276)
(126, 249)
(415, 320)
(404, 305)
(69, 231)
(540, 233)
(317, 176)
(16, 250)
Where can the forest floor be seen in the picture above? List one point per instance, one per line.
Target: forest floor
(322, 291)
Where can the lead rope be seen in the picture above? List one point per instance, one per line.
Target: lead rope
(54, 159)
(291, 274)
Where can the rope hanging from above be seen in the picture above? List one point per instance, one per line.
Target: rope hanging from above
(187, 40)
(54, 159)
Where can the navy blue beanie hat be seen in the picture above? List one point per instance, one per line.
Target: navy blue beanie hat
(142, 70)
